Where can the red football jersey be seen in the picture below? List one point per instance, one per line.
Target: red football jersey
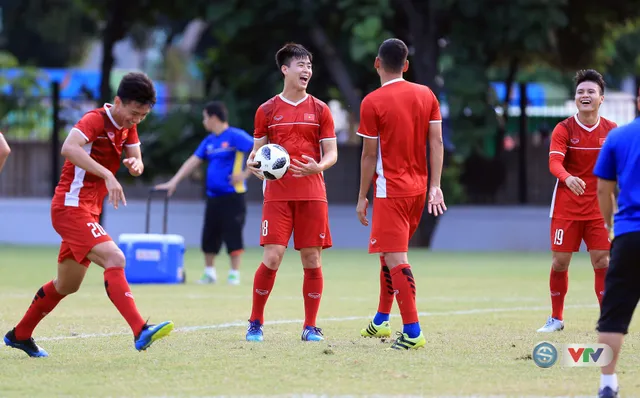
(105, 142)
(578, 147)
(398, 114)
(299, 127)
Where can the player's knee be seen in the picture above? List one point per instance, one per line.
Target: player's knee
(310, 258)
(600, 261)
(560, 262)
(115, 258)
(272, 257)
(66, 288)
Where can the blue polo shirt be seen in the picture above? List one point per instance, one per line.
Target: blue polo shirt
(619, 160)
(225, 154)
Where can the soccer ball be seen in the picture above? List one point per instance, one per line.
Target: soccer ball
(273, 160)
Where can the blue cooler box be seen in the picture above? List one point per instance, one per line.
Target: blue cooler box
(153, 258)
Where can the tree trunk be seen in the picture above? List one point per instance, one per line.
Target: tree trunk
(502, 121)
(335, 66)
(423, 30)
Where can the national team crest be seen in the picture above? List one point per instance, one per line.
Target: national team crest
(574, 141)
(309, 117)
(602, 141)
(225, 144)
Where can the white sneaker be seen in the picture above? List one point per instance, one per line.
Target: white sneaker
(233, 279)
(552, 325)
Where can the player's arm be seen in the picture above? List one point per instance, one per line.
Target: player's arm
(4, 151)
(259, 140)
(73, 151)
(368, 129)
(606, 172)
(329, 153)
(185, 170)
(133, 154)
(245, 144)
(557, 153)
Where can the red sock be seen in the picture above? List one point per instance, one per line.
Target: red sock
(600, 275)
(405, 286)
(43, 303)
(558, 286)
(386, 289)
(312, 291)
(119, 292)
(263, 283)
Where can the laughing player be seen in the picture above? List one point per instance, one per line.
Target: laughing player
(575, 215)
(296, 203)
(93, 151)
(397, 121)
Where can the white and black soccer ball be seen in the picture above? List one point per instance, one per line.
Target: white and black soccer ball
(273, 160)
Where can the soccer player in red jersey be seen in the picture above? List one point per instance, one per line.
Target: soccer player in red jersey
(296, 203)
(575, 214)
(4, 151)
(397, 121)
(93, 150)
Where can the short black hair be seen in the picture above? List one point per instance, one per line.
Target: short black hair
(217, 109)
(590, 75)
(136, 86)
(291, 51)
(393, 54)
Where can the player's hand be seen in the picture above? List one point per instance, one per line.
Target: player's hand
(170, 187)
(576, 185)
(361, 210)
(253, 166)
(116, 194)
(436, 205)
(305, 169)
(237, 178)
(134, 165)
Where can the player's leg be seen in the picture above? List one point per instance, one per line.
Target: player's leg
(233, 230)
(68, 281)
(380, 325)
(109, 256)
(596, 238)
(408, 212)
(275, 231)
(566, 236)
(311, 234)
(621, 296)
(211, 240)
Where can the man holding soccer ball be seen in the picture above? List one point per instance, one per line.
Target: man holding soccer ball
(297, 202)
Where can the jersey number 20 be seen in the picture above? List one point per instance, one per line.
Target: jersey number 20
(96, 229)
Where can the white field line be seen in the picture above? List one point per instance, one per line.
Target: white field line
(336, 319)
(221, 296)
(379, 396)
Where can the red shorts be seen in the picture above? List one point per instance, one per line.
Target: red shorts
(80, 232)
(567, 235)
(307, 220)
(395, 220)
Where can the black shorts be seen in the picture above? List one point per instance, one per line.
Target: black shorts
(622, 285)
(223, 222)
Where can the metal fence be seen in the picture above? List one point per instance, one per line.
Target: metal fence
(34, 166)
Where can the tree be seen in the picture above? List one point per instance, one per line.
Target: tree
(46, 33)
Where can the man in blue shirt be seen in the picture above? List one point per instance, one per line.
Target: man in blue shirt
(619, 162)
(225, 150)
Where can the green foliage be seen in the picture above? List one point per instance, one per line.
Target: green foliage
(46, 33)
(23, 111)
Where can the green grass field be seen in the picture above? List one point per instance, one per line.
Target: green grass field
(479, 313)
